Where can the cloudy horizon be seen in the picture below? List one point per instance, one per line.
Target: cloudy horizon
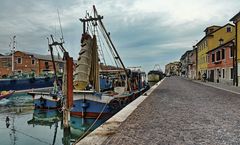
(145, 33)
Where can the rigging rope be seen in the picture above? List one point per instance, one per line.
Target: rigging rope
(109, 45)
(91, 30)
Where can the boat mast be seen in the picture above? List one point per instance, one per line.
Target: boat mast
(94, 73)
(13, 48)
(52, 56)
(114, 48)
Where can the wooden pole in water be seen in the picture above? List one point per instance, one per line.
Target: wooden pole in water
(67, 89)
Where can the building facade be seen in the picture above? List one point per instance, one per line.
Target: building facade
(25, 62)
(173, 68)
(214, 37)
(220, 63)
(185, 62)
(192, 66)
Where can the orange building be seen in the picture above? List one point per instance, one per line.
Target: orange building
(220, 63)
(25, 62)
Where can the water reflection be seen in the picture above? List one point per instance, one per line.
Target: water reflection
(79, 126)
(26, 125)
(45, 117)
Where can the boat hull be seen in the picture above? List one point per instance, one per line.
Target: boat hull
(26, 83)
(92, 105)
(7, 95)
(46, 102)
(155, 76)
(90, 109)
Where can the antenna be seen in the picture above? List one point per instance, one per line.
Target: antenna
(62, 39)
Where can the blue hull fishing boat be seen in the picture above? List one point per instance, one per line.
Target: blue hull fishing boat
(89, 100)
(26, 83)
(53, 98)
(45, 100)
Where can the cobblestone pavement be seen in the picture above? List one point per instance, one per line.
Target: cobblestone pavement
(182, 112)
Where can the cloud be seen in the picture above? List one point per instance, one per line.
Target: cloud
(144, 32)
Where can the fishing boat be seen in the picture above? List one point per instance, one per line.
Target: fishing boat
(30, 83)
(6, 94)
(47, 100)
(88, 100)
(156, 74)
(138, 81)
(52, 99)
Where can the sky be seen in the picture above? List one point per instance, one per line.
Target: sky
(145, 32)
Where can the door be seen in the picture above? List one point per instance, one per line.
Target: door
(211, 78)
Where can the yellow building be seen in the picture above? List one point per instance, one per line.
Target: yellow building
(214, 36)
(236, 21)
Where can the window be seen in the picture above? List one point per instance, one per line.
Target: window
(46, 65)
(223, 53)
(218, 56)
(33, 61)
(213, 57)
(231, 51)
(229, 29)
(19, 60)
(211, 30)
(223, 73)
(231, 73)
(218, 73)
(221, 41)
(6, 64)
(19, 71)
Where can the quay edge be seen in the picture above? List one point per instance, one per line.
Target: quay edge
(99, 135)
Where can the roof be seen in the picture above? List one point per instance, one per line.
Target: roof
(6, 56)
(210, 34)
(210, 27)
(184, 55)
(234, 18)
(42, 57)
(224, 44)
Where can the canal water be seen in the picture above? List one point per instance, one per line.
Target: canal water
(27, 126)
